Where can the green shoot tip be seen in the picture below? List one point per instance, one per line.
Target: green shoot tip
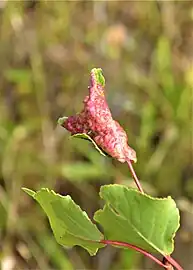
(98, 76)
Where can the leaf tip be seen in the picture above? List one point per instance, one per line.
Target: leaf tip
(29, 191)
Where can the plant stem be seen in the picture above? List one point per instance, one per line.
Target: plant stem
(173, 262)
(135, 176)
(144, 252)
(124, 244)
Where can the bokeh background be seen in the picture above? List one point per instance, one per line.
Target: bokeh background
(47, 49)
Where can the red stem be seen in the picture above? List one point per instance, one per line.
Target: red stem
(135, 176)
(144, 252)
(124, 244)
(173, 262)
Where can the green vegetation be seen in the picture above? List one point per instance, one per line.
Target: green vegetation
(129, 218)
(47, 50)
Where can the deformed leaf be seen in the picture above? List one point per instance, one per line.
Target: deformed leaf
(135, 218)
(71, 226)
(95, 121)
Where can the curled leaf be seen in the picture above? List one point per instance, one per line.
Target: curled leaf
(96, 121)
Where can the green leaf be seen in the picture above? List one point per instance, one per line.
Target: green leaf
(85, 136)
(71, 226)
(135, 218)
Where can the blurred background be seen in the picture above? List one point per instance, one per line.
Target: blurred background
(47, 49)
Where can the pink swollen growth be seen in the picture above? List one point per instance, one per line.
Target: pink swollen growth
(96, 121)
